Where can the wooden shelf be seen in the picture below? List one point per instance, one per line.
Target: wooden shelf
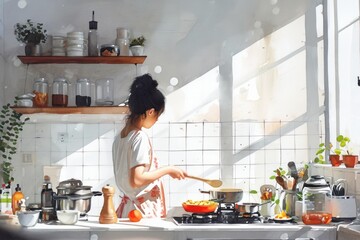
(81, 60)
(74, 110)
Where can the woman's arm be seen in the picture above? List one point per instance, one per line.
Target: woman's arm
(139, 176)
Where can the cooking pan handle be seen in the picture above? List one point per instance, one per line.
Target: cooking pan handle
(202, 191)
(97, 193)
(57, 197)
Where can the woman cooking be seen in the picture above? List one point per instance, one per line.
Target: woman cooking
(135, 167)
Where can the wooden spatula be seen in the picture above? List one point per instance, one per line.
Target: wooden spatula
(212, 182)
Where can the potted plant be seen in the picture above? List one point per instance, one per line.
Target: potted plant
(11, 124)
(137, 46)
(349, 159)
(334, 156)
(31, 34)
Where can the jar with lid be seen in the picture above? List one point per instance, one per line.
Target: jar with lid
(316, 196)
(104, 92)
(40, 89)
(83, 93)
(60, 92)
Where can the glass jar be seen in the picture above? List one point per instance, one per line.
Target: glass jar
(40, 89)
(104, 92)
(316, 201)
(83, 93)
(60, 96)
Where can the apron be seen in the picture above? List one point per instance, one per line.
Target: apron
(150, 201)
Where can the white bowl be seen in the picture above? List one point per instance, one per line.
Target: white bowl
(28, 218)
(68, 216)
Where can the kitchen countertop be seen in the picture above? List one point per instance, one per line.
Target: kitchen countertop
(167, 229)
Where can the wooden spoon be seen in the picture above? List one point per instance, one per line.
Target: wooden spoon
(214, 183)
(280, 181)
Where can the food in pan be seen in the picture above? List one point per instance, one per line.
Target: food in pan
(200, 206)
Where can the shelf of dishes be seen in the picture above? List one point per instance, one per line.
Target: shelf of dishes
(82, 60)
(73, 110)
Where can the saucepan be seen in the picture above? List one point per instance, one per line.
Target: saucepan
(249, 207)
(225, 195)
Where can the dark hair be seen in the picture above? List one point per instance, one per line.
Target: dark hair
(144, 95)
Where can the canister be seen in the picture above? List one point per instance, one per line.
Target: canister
(60, 92)
(104, 92)
(316, 196)
(40, 89)
(83, 93)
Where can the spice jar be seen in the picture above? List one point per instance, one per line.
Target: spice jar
(83, 93)
(316, 201)
(60, 92)
(40, 89)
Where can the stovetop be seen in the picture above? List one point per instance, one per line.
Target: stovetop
(225, 214)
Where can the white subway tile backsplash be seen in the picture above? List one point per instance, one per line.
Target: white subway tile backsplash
(194, 157)
(177, 130)
(42, 144)
(211, 129)
(91, 131)
(194, 130)
(242, 154)
(58, 158)
(90, 173)
(27, 144)
(194, 143)
(211, 143)
(105, 144)
(105, 158)
(91, 145)
(74, 159)
(177, 158)
(177, 144)
(42, 130)
(91, 158)
(211, 157)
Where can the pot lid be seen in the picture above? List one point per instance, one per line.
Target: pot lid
(316, 181)
(70, 183)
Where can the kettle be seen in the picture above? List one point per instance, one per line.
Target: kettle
(316, 196)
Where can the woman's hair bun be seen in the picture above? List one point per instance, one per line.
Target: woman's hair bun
(143, 84)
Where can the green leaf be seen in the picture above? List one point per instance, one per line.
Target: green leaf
(253, 192)
(272, 177)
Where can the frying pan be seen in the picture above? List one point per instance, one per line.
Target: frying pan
(200, 208)
(225, 195)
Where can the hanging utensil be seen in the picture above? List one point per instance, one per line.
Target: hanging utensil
(212, 182)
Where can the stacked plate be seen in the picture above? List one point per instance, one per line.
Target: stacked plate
(58, 46)
(76, 45)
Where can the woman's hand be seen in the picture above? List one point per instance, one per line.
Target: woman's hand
(177, 173)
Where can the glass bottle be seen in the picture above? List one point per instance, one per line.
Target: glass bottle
(92, 37)
(316, 201)
(60, 92)
(16, 199)
(40, 89)
(83, 93)
(104, 92)
(47, 193)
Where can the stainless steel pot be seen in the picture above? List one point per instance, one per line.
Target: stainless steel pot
(82, 203)
(249, 207)
(225, 195)
(72, 195)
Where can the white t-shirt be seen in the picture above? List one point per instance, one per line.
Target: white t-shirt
(128, 152)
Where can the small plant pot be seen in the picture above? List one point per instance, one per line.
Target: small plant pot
(335, 160)
(350, 160)
(137, 50)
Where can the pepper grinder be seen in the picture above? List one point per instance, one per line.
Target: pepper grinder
(108, 214)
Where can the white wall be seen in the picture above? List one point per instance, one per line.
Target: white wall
(189, 40)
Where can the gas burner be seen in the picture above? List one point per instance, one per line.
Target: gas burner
(251, 215)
